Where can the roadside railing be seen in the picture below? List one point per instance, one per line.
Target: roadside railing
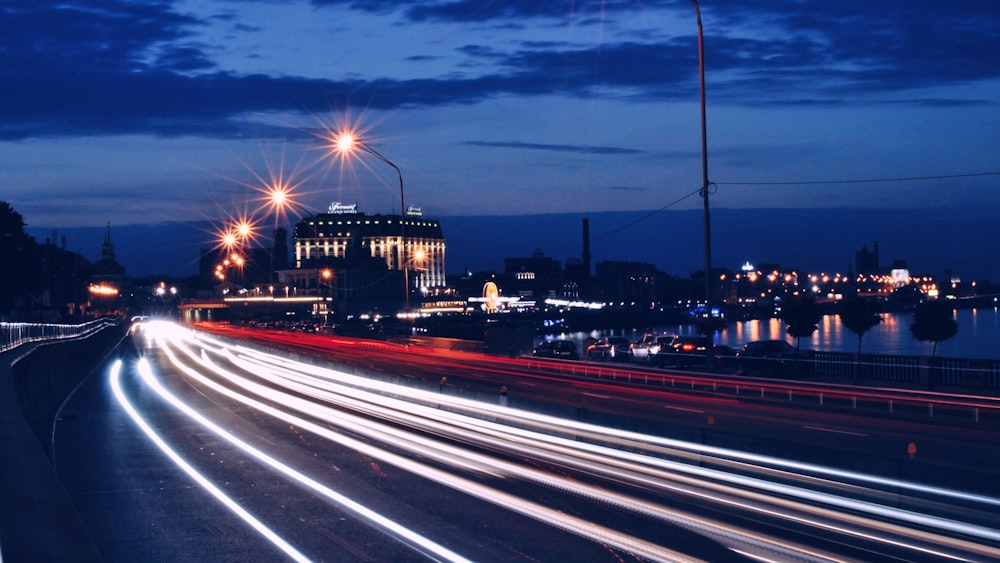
(13, 335)
(899, 392)
(921, 371)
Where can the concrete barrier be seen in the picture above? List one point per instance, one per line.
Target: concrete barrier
(38, 521)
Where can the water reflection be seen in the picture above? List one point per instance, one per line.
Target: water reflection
(978, 335)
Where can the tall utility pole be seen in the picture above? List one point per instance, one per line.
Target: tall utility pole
(710, 353)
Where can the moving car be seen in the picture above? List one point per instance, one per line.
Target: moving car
(684, 351)
(564, 349)
(768, 357)
(609, 348)
(646, 349)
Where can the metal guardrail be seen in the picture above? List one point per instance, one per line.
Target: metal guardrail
(899, 401)
(13, 335)
(915, 370)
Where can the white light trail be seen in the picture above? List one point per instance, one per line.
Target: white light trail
(395, 529)
(270, 535)
(568, 453)
(551, 517)
(630, 440)
(590, 449)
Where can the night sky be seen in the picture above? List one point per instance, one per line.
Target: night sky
(143, 113)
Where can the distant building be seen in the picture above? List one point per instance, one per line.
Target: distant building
(367, 256)
(575, 281)
(866, 262)
(108, 282)
(107, 269)
(63, 297)
(537, 276)
(626, 282)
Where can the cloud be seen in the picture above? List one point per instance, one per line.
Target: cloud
(556, 148)
(73, 69)
(465, 11)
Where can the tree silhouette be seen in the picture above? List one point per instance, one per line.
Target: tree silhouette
(933, 321)
(859, 316)
(19, 257)
(801, 318)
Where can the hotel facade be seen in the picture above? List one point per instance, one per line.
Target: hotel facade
(412, 243)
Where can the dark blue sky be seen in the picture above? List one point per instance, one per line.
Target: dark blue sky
(143, 112)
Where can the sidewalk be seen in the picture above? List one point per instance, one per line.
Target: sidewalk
(38, 522)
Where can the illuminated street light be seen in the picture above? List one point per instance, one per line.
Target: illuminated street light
(326, 275)
(278, 197)
(417, 261)
(229, 240)
(244, 229)
(345, 144)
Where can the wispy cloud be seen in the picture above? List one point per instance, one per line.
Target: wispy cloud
(557, 148)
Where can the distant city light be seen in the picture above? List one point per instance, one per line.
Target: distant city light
(103, 290)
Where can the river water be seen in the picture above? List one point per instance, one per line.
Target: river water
(978, 335)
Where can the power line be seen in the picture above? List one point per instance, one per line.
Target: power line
(608, 234)
(646, 216)
(861, 181)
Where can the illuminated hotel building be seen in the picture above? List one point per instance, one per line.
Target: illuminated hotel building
(321, 239)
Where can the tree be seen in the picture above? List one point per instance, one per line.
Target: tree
(933, 321)
(859, 316)
(20, 260)
(801, 318)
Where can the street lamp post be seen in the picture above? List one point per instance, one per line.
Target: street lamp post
(279, 199)
(704, 182)
(345, 143)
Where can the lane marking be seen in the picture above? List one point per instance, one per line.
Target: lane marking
(835, 431)
(683, 409)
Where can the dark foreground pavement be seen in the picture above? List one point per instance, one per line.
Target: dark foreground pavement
(38, 521)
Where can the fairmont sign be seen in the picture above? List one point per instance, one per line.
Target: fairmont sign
(338, 208)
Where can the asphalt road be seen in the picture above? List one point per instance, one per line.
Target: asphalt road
(380, 482)
(943, 450)
(138, 505)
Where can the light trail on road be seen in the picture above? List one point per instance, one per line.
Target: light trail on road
(458, 443)
(279, 542)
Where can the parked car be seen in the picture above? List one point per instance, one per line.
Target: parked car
(609, 348)
(647, 347)
(768, 357)
(564, 349)
(684, 351)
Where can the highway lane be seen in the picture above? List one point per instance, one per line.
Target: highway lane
(467, 479)
(942, 450)
(139, 506)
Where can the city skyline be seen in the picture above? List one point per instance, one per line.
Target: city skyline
(809, 240)
(133, 113)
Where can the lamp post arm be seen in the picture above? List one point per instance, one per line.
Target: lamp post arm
(402, 219)
(380, 156)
